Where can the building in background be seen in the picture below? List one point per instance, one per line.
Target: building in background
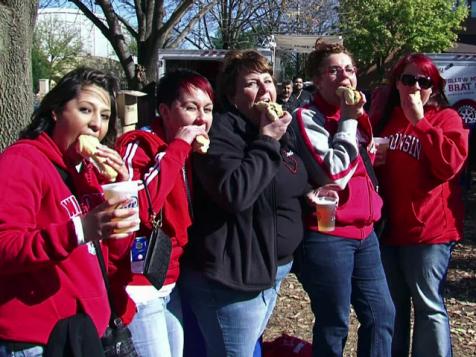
(87, 47)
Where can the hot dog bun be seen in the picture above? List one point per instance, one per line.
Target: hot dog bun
(88, 145)
(274, 111)
(351, 95)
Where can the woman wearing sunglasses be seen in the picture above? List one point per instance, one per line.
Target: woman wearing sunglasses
(422, 196)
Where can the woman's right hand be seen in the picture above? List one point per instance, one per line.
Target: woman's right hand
(412, 107)
(275, 129)
(188, 133)
(106, 220)
(352, 111)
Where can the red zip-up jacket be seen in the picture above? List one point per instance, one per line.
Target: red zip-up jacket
(160, 166)
(420, 178)
(45, 276)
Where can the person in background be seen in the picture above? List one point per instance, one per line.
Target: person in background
(49, 269)
(299, 97)
(158, 156)
(247, 212)
(286, 91)
(343, 266)
(420, 186)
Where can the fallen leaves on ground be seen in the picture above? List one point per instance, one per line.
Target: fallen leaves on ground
(293, 314)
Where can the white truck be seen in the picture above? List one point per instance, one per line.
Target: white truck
(206, 62)
(459, 71)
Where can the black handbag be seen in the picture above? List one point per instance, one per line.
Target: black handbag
(117, 340)
(159, 248)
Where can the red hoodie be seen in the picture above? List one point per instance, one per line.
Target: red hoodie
(160, 165)
(44, 275)
(420, 181)
(329, 147)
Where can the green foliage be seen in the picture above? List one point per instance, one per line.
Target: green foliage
(379, 31)
(57, 48)
(39, 65)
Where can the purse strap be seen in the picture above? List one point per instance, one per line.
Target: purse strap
(369, 167)
(155, 218)
(114, 320)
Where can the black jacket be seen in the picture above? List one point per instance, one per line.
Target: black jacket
(233, 237)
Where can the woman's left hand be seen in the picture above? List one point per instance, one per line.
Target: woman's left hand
(107, 221)
(114, 160)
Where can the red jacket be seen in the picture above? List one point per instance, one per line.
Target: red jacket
(160, 165)
(44, 275)
(420, 181)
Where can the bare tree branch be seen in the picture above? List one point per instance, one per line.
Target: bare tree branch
(167, 27)
(93, 18)
(181, 36)
(128, 26)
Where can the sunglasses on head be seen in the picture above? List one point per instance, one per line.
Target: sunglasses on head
(410, 80)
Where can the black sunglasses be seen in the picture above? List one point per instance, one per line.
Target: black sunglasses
(410, 80)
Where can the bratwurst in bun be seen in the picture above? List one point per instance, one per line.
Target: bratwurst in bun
(351, 95)
(88, 145)
(273, 111)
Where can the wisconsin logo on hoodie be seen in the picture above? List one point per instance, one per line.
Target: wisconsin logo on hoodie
(71, 205)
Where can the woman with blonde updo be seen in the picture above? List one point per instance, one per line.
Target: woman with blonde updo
(342, 267)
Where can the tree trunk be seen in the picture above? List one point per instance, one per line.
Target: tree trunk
(17, 20)
(147, 56)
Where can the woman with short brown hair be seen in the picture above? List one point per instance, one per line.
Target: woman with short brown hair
(247, 212)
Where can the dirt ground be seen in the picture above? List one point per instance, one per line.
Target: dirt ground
(293, 315)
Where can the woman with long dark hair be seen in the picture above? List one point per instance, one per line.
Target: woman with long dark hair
(51, 211)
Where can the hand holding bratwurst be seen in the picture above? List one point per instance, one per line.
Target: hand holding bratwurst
(273, 110)
(351, 95)
(88, 145)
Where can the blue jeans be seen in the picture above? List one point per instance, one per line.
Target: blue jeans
(231, 321)
(36, 351)
(336, 272)
(418, 273)
(157, 327)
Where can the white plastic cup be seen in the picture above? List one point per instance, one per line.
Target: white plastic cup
(382, 145)
(326, 202)
(123, 190)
